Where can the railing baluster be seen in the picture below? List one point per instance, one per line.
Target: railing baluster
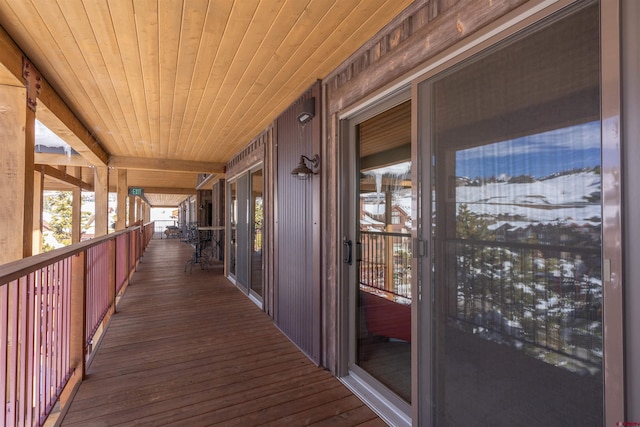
(385, 261)
(4, 334)
(35, 319)
(28, 282)
(13, 352)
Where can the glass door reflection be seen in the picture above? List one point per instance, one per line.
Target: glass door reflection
(257, 214)
(233, 221)
(516, 282)
(384, 223)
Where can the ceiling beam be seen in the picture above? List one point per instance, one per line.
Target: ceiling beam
(165, 165)
(61, 160)
(209, 181)
(51, 110)
(63, 176)
(10, 61)
(55, 115)
(168, 190)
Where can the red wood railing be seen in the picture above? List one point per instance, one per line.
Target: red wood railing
(122, 260)
(53, 307)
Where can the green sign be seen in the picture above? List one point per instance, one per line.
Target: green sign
(135, 191)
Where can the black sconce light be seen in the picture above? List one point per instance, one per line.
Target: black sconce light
(302, 171)
(308, 111)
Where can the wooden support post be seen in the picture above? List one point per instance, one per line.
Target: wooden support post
(139, 217)
(33, 85)
(76, 209)
(132, 211)
(123, 192)
(13, 172)
(101, 189)
(38, 201)
(29, 191)
(388, 243)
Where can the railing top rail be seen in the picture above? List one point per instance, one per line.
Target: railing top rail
(385, 233)
(19, 268)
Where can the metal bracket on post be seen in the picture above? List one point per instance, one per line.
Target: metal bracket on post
(32, 82)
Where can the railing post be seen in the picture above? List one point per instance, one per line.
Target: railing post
(140, 243)
(77, 329)
(112, 276)
(129, 264)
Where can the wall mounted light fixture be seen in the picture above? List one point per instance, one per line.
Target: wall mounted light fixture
(302, 171)
(308, 110)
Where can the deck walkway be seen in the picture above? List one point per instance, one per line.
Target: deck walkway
(192, 350)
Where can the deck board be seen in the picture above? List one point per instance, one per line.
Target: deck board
(192, 349)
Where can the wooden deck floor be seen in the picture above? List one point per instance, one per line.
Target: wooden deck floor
(192, 350)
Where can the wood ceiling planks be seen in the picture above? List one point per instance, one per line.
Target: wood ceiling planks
(190, 80)
(165, 200)
(143, 36)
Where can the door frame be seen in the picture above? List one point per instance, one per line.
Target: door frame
(612, 233)
(511, 23)
(388, 405)
(244, 252)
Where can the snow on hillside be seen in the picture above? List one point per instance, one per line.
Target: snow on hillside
(571, 198)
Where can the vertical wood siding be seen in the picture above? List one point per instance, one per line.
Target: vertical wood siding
(297, 297)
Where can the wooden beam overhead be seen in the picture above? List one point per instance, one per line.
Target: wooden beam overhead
(10, 61)
(169, 190)
(63, 176)
(165, 165)
(55, 115)
(7, 78)
(52, 111)
(61, 160)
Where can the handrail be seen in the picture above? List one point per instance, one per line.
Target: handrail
(15, 269)
(385, 261)
(53, 308)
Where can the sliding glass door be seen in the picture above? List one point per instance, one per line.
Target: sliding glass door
(379, 254)
(232, 223)
(514, 330)
(256, 230)
(245, 263)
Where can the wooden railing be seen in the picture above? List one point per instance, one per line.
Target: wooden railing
(385, 262)
(53, 307)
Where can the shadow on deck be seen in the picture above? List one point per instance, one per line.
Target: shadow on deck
(191, 349)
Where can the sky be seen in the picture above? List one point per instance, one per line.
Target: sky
(537, 155)
(45, 137)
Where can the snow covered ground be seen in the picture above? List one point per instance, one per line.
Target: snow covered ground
(566, 199)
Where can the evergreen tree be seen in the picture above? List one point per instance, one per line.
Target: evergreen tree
(473, 261)
(60, 206)
(471, 226)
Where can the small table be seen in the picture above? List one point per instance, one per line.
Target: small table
(212, 235)
(200, 238)
(172, 232)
